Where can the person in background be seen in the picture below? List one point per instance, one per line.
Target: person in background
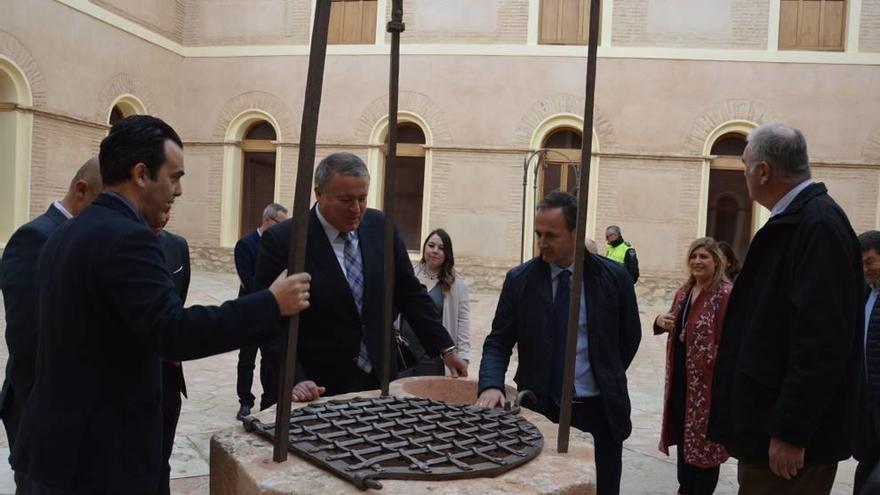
(449, 291)
(246, 250)
(621, 251)
(18, 281)
(731, 263)
(694, 324)
(867, 478)
(176, 252)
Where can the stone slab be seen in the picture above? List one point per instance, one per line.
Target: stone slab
(241, 462)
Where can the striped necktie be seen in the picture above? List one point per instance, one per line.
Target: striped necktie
(354, 275)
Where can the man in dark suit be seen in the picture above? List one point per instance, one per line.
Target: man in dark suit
(108, 312)
(533, 312)
(867, 478)
(176, 251)
(786, 382)
(246, 250)
(18, 280)
(340, 346)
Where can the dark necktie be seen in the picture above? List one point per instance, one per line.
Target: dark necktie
(560, 330)
(872, 351)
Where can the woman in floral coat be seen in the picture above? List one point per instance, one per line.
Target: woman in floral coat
(694, 326)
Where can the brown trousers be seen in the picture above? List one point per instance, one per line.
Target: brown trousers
(757, 479)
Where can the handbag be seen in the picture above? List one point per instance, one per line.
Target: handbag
(406, 359)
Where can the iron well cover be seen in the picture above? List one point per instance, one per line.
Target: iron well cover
(362, 440)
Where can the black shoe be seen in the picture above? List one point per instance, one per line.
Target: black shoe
(243, 412)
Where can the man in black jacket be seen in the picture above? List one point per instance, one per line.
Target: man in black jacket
(18, 280)
(108, 312)
(176, 251)
(787, 373)
(867, 476)
(533, 313)
(341, 336)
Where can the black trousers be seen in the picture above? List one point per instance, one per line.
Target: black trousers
(11, 417)
(247, 359)
(869, 461)
(589, 415)
(693, 480)
(425, 367)
(171, 403)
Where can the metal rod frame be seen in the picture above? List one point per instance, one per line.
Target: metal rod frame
(302, 197)
(580, 231)
(395, 27)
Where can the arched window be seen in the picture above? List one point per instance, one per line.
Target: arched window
(258, 174)
(15, 149)
(558, 168)
(125, 106)
(115, 115)
(409, 184)
(729, 215)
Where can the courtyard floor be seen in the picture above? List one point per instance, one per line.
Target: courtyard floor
(212, 404)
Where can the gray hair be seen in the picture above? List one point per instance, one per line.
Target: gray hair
(343, 163)
(614, 228)
(272, 209)
(783, 147)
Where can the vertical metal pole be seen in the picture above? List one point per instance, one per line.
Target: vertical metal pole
(574, 307)
(301, 200)
(395, 27)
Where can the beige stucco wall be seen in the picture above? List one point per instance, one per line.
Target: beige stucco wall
(243, 22)
(691, 23)
(653, 117)
(484, 22)
(869, 33)
(163, 16)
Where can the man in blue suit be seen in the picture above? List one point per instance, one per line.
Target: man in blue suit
(246, 250)
(18, 280)
(108, 312)
(533, 312)
(341, 336)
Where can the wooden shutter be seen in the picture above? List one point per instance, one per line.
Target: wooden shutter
(564, 22)
(812, 25)
(352, 22)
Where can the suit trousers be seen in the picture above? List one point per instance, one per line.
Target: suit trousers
(869, 462)
(171, 404)
(589, 415)
(755, 478)
(11, 416)
(247, 359)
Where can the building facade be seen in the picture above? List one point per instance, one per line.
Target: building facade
(484, 83)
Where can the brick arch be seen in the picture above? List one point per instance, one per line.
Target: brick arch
(124, 84)
(11, 48)
(871, 151)
(416, 103)
(258, 100)
(547, 107)
(721, 113)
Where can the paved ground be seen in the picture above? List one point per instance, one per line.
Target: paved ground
(212, 405)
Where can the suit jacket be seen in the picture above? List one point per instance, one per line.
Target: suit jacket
(176, 252)
(246, 250)
(108, 313)
(331, 329)
(18, 280)
(524, 316)
(790, 357)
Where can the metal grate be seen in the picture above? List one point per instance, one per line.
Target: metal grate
(362, 440)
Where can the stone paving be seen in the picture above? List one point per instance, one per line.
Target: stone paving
(212, 404)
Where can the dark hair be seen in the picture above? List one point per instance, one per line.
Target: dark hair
(870, 240)
(732, 262)
(564, 200)
(446, 276)
(133, 140)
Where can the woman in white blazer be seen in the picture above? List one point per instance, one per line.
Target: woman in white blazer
(449, 291)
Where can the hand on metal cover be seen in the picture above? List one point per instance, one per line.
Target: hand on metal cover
(307, 391)
(490, 398)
